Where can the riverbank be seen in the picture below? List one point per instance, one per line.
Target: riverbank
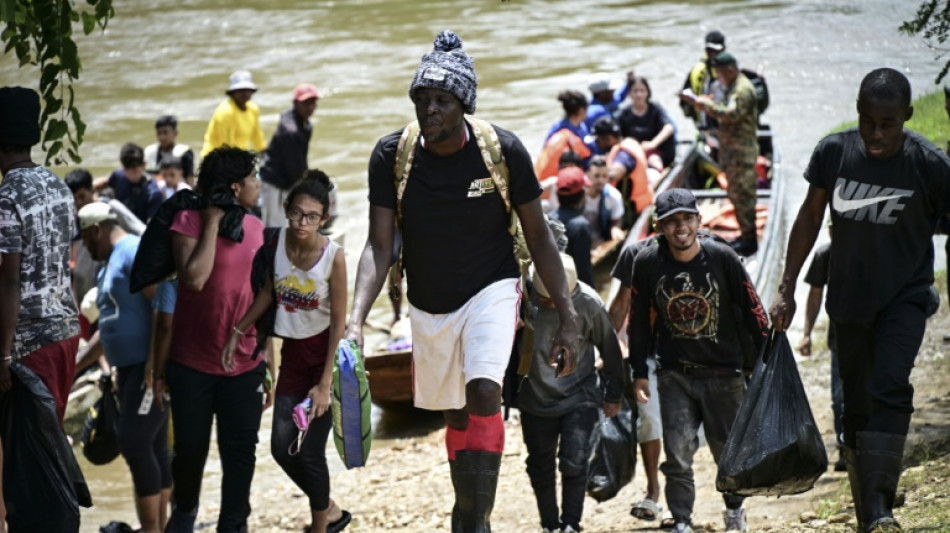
(406, 486)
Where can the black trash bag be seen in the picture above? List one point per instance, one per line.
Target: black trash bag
(100, 443)
(153, 260)
(775, 447)
(116, 527)
(42, 483)
(613, 453)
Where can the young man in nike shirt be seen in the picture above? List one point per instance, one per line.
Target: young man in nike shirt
(886, 187)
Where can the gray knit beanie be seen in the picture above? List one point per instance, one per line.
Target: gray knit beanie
(450, 68)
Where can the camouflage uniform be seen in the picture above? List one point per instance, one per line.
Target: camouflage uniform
(738, 148)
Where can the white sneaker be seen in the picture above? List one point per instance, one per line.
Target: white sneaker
(546, 530)
(735, 519)
(569, 529)
(682, 527)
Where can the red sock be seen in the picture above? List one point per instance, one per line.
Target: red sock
(485, 433)
(454, 441)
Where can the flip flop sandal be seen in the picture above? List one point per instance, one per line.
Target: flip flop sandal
(646, 509)
(667, 522)
(340, 525)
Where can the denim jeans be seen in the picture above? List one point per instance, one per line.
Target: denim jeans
(685, 403)
(541, 436)
(236, 401)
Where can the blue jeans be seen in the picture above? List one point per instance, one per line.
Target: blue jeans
(685, 403)
(541, 436)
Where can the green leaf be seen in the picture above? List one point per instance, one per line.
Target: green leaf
(7, 10)
(50, 71)
(74, 155)
(88, 22)
(54, 149)
(78, 124)
(69, 58)
(55, 130)
(53, 106)
(19, 16)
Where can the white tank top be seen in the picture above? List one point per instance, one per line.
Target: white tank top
(303, 296)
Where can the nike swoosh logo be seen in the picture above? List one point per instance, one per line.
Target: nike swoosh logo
(843, 205)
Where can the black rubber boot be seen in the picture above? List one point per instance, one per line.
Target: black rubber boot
(456, 521)
(880, 456)
(477, 478)
(851, 459)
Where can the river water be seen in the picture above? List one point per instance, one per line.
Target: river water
(157, 58)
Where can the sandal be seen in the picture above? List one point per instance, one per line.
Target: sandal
(646, 509)
(340, 525)
(667, 522)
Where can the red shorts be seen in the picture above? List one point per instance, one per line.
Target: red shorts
(55, 364)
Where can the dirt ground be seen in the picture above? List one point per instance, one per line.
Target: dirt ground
(406, 486)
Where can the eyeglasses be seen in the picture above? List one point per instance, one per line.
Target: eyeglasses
(297, 215)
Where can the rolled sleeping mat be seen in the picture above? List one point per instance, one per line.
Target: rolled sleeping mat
(351, 404)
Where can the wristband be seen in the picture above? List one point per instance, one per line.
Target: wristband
(239, 332)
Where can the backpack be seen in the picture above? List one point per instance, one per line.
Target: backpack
(494, 158)
(761, 89)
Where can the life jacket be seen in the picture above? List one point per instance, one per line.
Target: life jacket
(561, 141)
(637, 188)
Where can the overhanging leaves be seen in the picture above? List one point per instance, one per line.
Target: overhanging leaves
(932, 22)
(40, 33)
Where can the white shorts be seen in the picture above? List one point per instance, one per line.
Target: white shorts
(472, 342)
(272, 206)
(649, 425)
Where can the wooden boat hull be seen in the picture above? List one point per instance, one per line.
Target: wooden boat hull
(390, 378)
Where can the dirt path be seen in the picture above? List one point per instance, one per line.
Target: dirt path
(407, 486)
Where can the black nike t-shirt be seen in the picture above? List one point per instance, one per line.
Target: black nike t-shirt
(884, 214)
(454, 225)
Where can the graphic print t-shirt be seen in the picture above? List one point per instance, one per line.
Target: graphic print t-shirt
(303, 296)
(884, 214)
(36, 221)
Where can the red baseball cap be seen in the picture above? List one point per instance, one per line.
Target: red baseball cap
(571, 180)
(305, 91)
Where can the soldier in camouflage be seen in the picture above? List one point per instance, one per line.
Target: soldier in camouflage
(735, 109)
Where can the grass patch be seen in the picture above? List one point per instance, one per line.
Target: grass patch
(929, 120)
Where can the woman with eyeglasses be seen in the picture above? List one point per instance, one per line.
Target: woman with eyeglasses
(305, 287)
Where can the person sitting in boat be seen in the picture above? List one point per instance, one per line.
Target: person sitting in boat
(166, 135)
(567, 135)
(626, 168)
(305, 287)
(605, 101)
(549, 200)
(172, 177)
(648, 123)
(572, 184)
(558, 415)
(603, 205)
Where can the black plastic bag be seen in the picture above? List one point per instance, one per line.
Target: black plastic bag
(100, 444)
(116, 527)
(42, 483)
(775, 447)
(613, 454)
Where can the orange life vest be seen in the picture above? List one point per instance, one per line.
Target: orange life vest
(640, 193)
(562, 141)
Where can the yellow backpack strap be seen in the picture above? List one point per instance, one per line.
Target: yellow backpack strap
(405, 151)
(490, 147)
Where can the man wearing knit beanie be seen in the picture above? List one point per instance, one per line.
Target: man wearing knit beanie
(462, 274)
(39, 332)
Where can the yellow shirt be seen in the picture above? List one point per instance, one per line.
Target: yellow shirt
(232, 126)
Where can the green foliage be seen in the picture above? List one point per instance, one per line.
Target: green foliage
(40, 33)
(929, 120)
(932, 21)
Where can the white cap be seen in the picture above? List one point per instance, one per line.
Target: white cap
(241, 80)
(570, 274)
(94, 213)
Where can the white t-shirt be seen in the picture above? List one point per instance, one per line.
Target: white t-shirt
(303, 296)
(613, 203)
